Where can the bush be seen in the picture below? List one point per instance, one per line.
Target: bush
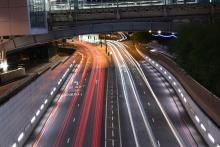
(197, 50)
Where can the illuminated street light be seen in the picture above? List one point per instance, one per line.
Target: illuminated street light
(159, 31)
(150, 31)
(4, 66)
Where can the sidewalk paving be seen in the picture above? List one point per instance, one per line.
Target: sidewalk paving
(11, 88)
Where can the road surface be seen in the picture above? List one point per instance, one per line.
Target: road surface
(150, 112)
(75, 119)
(124, 103)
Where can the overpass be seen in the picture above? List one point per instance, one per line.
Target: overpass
(66, 23)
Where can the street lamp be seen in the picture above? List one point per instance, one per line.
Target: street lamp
(159, 31)
(4, 66)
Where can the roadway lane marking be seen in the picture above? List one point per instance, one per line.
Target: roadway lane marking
(158, 142)
(148, 103)
(113, 134)
(126, 99)
(113, 142)
(152, 119)
(178, 138)
(74, 119)
(68, 140)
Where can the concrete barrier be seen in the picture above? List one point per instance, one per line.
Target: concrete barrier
(6, 96)
(12, 75)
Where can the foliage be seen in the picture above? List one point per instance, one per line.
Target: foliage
(140, 36)
(197, 50)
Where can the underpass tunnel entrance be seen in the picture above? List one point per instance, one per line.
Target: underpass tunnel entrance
(30, 57)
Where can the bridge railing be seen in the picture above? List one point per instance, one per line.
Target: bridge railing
(90, 4)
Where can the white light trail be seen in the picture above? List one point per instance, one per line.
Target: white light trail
(161, 108)
(127, 103)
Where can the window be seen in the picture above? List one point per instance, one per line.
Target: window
(38, 13)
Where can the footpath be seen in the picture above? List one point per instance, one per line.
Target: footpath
(11, 88)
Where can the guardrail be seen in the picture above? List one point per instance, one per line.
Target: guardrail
(208, 129)
(30, 126)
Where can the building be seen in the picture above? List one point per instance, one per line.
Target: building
(23, 17)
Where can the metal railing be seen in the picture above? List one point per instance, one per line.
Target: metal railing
(52, 6)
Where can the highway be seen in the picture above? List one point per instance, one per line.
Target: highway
(160, 112)
(137, 121)
(17, 113)
(119, 100)
(75, 118)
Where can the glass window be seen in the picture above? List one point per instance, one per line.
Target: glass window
(38, 13)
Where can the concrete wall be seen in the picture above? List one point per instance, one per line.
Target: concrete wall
(11, 75)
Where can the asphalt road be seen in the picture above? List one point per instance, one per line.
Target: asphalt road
(75, 118)
(169, 99)
(16, 114)
(130, 105)
(150, 113)
(142, 123)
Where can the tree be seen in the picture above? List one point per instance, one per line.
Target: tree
(198, 53)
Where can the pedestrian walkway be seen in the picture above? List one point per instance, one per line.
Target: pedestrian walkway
(11, 88)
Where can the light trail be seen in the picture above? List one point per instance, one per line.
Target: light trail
(126, 100)
(98, 112)
(143, 115)
(70, 110)
(174, 131)
(94, 92)
(54, 112)
(136, 64)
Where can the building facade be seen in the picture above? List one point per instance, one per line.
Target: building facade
(23, 17)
